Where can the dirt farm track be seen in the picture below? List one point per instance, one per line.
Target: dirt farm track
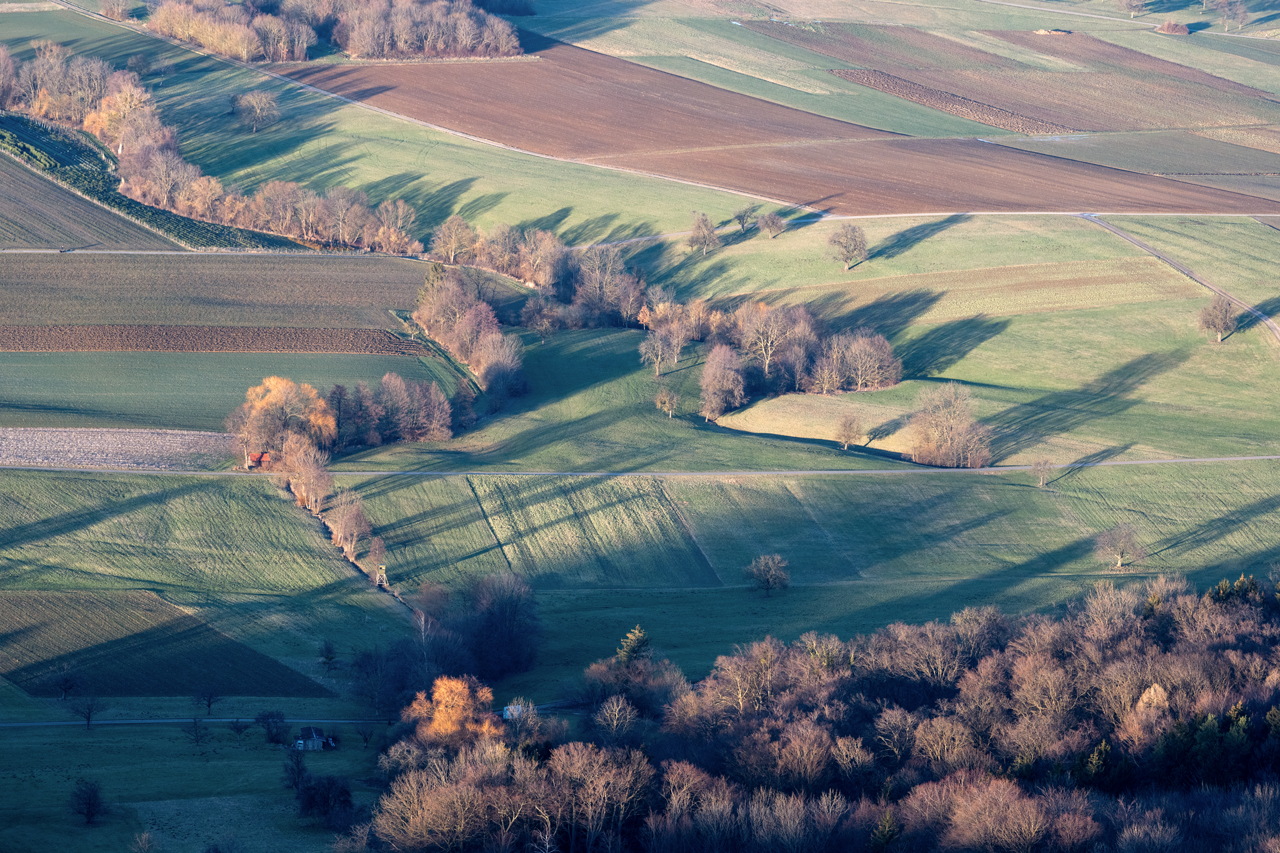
(203, 339)
(579, 105)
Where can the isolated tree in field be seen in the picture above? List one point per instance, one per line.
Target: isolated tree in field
(767, 573)
(208, 696)
(1134, 7)
(455, 238)
(745, 217)
(257, 109)
(849, 245)
(667, 401)
(946, 433)
(328, 655)
(1218, 317)
(144, 842)
(721, 382)
(1233, 12)
(197, 731)
(295, 773)
(87, 707)
(274, 728)
(849, 430)
(704, 236)
(238, 728)
(87, 800)
(635, 646)
(1041, 469)
(1120, 544)
(772, 224)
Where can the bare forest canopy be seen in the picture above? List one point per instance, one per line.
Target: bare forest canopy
(365, 29)
(113, 105)
(1138, 720)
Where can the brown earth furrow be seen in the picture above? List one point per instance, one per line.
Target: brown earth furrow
(126, 338)
(948, 103)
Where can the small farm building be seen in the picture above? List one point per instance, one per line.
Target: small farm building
(311, 738)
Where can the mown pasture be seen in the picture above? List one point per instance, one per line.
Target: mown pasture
(187, 796)
(172, 390)
(170, 571)
(1131, 381)
(36, 213)
(864, 550)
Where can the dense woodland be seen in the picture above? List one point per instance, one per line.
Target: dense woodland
(88, 93)
(1144, 719)
(366, 29)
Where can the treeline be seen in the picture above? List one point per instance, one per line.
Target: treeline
(88, 93)
(760, 348)
(370, 29)
(455, 316)
(1145, 719)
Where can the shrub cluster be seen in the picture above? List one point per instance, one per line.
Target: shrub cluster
(1145, 718)
(464, 324)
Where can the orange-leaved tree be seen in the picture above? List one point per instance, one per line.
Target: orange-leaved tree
(276, 409)
(457, 712)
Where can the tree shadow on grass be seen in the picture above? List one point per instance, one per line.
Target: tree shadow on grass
(943, 346)
(1058, 412)
(1220, 528)
(1088, 461)
(904, 241)
(888, 315)
(61, 525)
(1268, 308)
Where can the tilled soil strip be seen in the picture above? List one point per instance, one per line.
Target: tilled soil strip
(203, 339)
(147, 449)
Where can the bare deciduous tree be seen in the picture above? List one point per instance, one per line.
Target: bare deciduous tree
(454, 238)
(704, 236)
(664, 345)
(196, 731)
(667, 401)
(1041, 469)
(1134, 7)
(1120, 544)
(238, 728)
(208, 696)
(1218, 317)
(848, 430)
(772, 224)
(946, 433)
(768, 572)
(745, 217)
(88, 706)
(721, 382)
(257, 109)
(849, 245)
(615, 718)
(87, 800)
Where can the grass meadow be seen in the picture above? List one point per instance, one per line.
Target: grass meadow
(207, 564)
(170, 390)
(864, 550)
(157, 781)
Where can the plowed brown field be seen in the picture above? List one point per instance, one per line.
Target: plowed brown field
(579, 105)
(1115, 88)
(948, 103)
(939, 176)
(575, 103)
(202, 339)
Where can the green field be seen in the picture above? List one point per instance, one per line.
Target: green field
(293, 291)
(246, 568)
(187, 796)
(36, 213)
(897, 246)
(170, 390)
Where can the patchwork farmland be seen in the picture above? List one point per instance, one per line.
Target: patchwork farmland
(1078, 348)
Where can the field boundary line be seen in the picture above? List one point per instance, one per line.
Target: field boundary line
(502, 549)
(816, 472)
(688, 529)
(1266, 321)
